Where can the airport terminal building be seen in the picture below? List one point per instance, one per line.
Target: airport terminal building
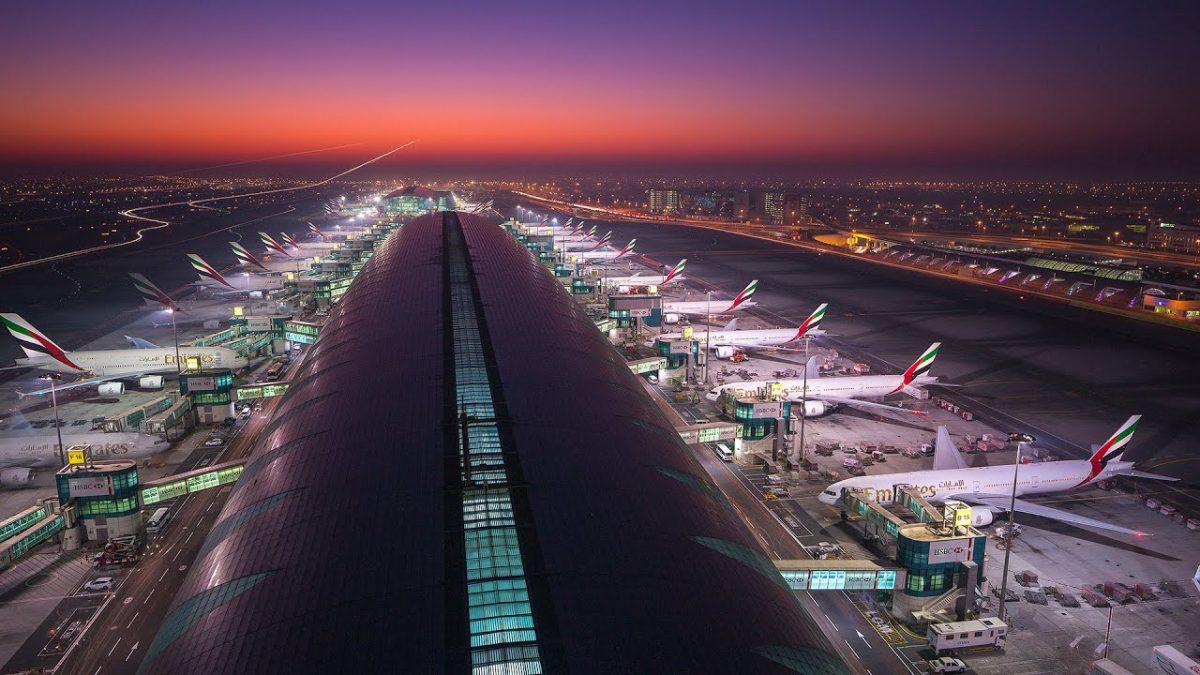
(464, 477)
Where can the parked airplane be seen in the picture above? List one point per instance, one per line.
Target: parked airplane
(153, 295)
(316, 230)
(246, 258)
(213, 280)
(584, 244)
(287, 239)
(273, 245)
(726, 341)
(21, 455)
(992, 486)
(640, 279)
(606, 254)
(704, 307)
(103, 365)
(826, 392)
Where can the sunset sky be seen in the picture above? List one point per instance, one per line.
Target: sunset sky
(921, 84)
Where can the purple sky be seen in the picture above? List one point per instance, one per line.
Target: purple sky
(1100, 87)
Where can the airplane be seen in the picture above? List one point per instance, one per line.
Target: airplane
(153, 294)
(287, 239)
(212, 280)
(704, 307)
(104, 365)
(20, 455)
(605, 254)
(317, 231)
(645, 280)
(208, 273)
(246, 258)
(273, 245)
(826, 392)
(992, 486)
(726, 341)
(584, 244)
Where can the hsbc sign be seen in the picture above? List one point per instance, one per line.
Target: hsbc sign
(949, 551)
(90, 487)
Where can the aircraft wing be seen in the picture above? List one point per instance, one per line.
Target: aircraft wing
(869, 406)
(93, 380)
(1022, 506)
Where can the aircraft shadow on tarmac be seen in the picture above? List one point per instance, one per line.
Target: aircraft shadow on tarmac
(1122, 542)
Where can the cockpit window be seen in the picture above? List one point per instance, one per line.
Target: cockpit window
(831, 493)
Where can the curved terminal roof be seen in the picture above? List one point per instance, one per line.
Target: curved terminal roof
(585, 537)
(412, 191)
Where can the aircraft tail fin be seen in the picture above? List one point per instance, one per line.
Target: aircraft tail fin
(945, 453)
(810, 324)
(732, 325)
(919, 367)
(813, 367)
(34, 343)
(207, 271)
(153, 294)
(273, 245)
(1111, 450)
(245, 257)
(1114, 447)
(742, 297)
(675, 272)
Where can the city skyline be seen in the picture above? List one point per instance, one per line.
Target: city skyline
(1095, 90)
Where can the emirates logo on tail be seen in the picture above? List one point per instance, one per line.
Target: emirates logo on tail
(742, 297)
(1111, 450)
(919, 367)
(810, 324)
(207, 271)
(675, 272)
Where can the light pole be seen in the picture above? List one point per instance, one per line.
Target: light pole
(54, 377)
(175, 339)
(1012, 504)
(707, 337)
(804, 399)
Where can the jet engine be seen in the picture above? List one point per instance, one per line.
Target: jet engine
(17, 477)
(811, 408)
(981, 516)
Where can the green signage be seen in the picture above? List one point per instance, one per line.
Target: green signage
(161, 493)
(261, 391)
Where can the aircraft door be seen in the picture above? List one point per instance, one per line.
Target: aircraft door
(975, 487)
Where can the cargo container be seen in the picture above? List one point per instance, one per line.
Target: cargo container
(1173, 662)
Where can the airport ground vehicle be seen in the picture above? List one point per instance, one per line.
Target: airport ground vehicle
(158, 520)
(99, 584)
(1174, 662)
(964, 634)
(275, 369)
(947, 665)
(118, 552)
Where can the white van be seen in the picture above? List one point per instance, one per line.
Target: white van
(723, 451)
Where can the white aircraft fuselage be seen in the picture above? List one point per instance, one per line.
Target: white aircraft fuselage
(104, 362)
(850, 386)
(935, 486)
(42, 451)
